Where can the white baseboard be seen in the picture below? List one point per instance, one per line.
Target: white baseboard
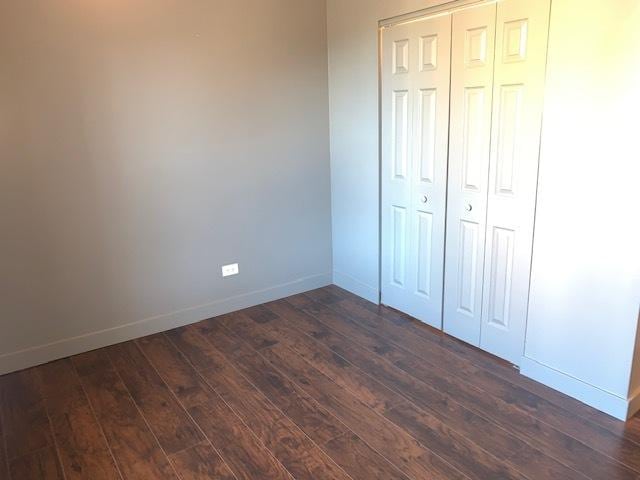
(38, 355)
(356, 287)
(607, 402)
(634, 403)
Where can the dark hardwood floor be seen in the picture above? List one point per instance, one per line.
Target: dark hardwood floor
(318, 386)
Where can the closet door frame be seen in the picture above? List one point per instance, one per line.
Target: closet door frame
(441, 7)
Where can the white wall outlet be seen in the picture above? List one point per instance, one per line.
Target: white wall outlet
(228, 270)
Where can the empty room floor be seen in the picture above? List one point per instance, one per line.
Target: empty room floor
(321, 385)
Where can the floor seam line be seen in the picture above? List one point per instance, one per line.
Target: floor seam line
(183, 407)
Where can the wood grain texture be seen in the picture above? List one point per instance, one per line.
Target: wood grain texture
(134, 446)
(42, 464)
(241, 449)
(523, 401)
(451, 433)
(82, 447)
(477, 428)
(441, 375)
(299, 454)
(322, 385)
(167, 419)
(368, 390)
(315, 421)
(24, 414)
(4, 464)
(492, 364)
(244, 453)
(201, 462)
(176, 371)
(324, 429)
(360, 460)
(391, 441)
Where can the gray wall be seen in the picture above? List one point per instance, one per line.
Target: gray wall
(353, 80)
(142, 146)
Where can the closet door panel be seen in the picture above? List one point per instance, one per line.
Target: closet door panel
(396, 167)
(521, 43)
(472, 61)
(415, 118)
(431, 129)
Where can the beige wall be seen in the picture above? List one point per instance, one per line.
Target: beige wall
(585, 282)
(145, 143)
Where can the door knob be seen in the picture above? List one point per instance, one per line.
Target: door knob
(468, 207)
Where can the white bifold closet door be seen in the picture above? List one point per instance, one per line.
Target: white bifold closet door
(415, 121)
(472, 53)
(496, 113)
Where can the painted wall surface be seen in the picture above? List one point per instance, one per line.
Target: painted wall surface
(145, 144)
(585, 290)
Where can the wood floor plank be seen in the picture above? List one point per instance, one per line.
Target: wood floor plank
(491, 363)
(415, 340)
(81, 445)
(553, 444)
(302, 457)
(529, 404)
(25, 417)
(190, 389)
(454, 448)
(243, 452)
(4, 464)
(388, 439)
(547, 438)
(179, 375)
(314, 421)
(322, 385)
(439, 460)
(333, 294)
(82, 449)
(170, 423)
(372, 393)
(505, 371)
(134, 446)
(201, 462)
(42, 464)
(361, 462)
(469, 432)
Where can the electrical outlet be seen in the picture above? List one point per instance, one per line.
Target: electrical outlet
(228, 270)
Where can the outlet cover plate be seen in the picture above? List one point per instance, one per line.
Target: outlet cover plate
(228, 270)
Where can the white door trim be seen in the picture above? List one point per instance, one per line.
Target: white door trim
(445, 8)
